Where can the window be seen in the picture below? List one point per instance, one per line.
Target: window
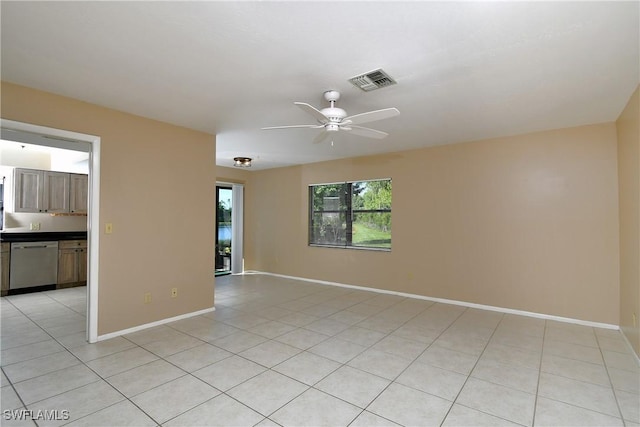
(351, 214)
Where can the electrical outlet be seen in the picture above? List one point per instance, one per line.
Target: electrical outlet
(147, 298)
(174, 292)
(34, 226)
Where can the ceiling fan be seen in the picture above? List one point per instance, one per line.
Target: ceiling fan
(334, 119)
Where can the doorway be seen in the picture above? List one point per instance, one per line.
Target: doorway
(224, 224)
(73, 141)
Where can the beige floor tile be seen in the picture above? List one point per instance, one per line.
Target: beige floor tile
(624, 361)
(573, 351)
(30, 351)
(307, 367)
(463, 416)
(382, 364)
(121, 414)
(298, 319)
(267, 392)
(213, 331)
(315, 408)
(79, 402)
(270, 353)
(625, 380)
(367, 419)
(553, 413)
(172, 345)
(302, 338)
(613, 343)
(578, 393)
(42, 365)
(370, 339)
(445, 358)
(517, 377)
(221, 411)
(54, 383)
(229, 372)
(406, 406)
(327, 326)
(175, 397)
(399, 346)
(123, 361)
(10, 399)
(337, 349)
(465, 343)
(145, 377)
(360, 336)
(353, 385)
(432, 380)
(578, 370)
(198, 357)
(629, 406)
(272, 329)
(574, 335)
(157, 333)
(512, 356)
(90, 352)
(503, 402)
(238, 341)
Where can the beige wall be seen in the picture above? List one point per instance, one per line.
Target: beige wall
(232, 175)
(527, 222)
(157, 188)
(628, 126)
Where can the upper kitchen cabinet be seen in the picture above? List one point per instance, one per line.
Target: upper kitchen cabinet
(49, 192)
(55, 197)
(28, 186)
(78, 193)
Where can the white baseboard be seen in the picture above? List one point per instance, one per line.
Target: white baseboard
(448, 301)
(152, 324)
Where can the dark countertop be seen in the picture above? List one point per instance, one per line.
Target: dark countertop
(42, 236)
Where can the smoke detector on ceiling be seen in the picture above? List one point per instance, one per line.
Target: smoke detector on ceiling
(372, 80)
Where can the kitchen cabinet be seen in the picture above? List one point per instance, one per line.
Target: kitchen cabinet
(55, 197)
(49, 192)
(78, 193)
(72, 263)
(5, 262)
(28, 186)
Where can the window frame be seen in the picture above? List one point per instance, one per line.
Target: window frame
(346, 200)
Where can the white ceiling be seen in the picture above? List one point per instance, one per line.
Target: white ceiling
(465, 70)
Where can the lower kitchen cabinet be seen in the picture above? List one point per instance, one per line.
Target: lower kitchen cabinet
(5, 262)
(72, 263)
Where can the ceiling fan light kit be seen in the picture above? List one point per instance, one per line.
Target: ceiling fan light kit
(334, 119)
(242, 162)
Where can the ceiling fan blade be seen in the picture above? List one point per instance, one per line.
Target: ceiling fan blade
(369, 133)
(313, 111)
(293, 127)
(321, 137)
(372, 116)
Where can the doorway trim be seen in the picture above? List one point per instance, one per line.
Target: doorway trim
(237, 226)
(93, 216)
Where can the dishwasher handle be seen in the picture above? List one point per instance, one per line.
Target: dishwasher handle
(34, 245)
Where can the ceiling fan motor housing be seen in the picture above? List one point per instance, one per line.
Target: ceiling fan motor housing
(334, 114)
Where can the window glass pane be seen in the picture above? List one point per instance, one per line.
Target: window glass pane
(329, 228)
(351, 214)
(372, 230)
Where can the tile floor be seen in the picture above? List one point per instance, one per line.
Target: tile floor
(284, 352)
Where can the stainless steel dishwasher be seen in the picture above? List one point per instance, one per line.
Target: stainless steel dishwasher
(33, 264)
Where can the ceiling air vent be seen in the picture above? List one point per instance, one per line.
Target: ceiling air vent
(372, 80)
